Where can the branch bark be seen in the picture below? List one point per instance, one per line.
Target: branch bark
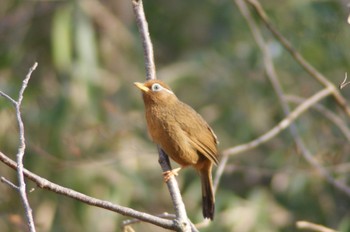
(180, 211)
(46, 184)
(21, 188)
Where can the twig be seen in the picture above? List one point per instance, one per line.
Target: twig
(220, 170)
(299, 58)
(280, 126)
(283, 125)
(179, 206)
(334, 118)
(180, 210)
(21, 149)
(312, 226)
(135, 220)
(271, 73)
(344, 83)
(142, 26)
(9, 183)
(46, 184)
(8, 98)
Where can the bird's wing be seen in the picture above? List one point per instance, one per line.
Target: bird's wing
(200, 135)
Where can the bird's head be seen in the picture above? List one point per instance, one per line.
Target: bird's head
(155, 92)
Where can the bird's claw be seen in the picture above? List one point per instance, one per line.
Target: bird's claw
(168, 174)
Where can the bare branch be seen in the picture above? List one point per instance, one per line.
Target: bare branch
(21, 150)
(283, 125)
(180, 210)
(268, 135)
(299, 58)
(312, 226)
(220, 170)
(46, 184)
(280, 126)
(344, 83)
(8, 98)
(179, 206)
(134, 220)
(271, 73)
(9, 183)
(334, 118)
(146, 39)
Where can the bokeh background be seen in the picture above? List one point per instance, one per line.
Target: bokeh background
(85, 127)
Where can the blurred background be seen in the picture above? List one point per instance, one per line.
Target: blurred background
(84, 119)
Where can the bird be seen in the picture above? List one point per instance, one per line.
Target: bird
(183, 135)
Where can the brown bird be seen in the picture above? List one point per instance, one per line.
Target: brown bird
(183, 135)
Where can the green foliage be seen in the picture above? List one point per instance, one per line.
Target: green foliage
(85, 127)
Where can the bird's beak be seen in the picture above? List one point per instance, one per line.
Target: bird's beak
(141, 86)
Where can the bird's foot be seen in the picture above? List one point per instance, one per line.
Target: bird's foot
(168, 174)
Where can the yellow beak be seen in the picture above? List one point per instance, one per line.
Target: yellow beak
(141, 86)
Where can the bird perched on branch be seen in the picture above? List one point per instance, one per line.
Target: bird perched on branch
(183, 135)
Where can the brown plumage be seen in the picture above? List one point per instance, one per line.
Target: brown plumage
(182, 134)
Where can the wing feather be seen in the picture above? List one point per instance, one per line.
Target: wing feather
(199, 133)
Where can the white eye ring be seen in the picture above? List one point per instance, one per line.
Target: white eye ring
(156, 87)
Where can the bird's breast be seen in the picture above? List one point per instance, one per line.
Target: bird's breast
(166, 132)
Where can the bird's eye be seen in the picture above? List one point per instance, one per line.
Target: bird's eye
(156, 87)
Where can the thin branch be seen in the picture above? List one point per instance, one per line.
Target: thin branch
(271, 73)
(299, 58)
(270, 69)
(280, 126)
(9, 183)
(306, 153)
(344, 83)
(334, 118)
(8, 98)
(180, 210)
(179, 206)
(220, 170)
(135, 220)
(312, 226)
(268, 135)
(142, 26)
(21, 149)
(46, 184)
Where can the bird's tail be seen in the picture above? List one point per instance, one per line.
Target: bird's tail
(208, 200)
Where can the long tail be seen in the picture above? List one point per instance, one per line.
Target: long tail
(208, 200)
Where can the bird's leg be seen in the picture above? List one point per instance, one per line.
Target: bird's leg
(168, 174)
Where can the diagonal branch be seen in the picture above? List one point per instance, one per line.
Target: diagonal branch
(285, 123)
(280, 126)
(299, 58)
(305, 225)
(46, 184)
(330, 115)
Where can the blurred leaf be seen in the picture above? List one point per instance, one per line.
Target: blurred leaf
(62, 38)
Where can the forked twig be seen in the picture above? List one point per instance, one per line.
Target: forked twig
(344, 83)
(21, 149)
(46, 184)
